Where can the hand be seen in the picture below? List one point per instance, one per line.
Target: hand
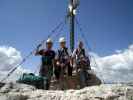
(71, 64)
(68, 61)
(57, 63)
(78, 70)
(62, 65)
(39, 46)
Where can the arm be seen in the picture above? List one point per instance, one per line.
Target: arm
(84, 52)
(54, 59)
(57, 58)
(39, 52)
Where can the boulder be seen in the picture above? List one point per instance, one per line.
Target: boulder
(72, 82)
(2, 84)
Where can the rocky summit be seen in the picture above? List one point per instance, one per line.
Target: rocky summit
(16, 91)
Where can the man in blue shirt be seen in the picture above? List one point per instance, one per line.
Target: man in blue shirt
(47, 61)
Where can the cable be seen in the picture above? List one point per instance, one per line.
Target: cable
(31, 53)
(56, 35)
(89, 48)
(81, 30)
(16, 67)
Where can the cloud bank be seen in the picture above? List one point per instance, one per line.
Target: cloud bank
(9, 58)
(117, 67)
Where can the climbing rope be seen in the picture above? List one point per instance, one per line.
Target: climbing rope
(89, 48)
(32, 52)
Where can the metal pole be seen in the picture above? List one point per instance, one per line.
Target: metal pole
(72, 24)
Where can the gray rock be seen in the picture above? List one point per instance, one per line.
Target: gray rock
(15, 91)
(16, 87)
(73, 82)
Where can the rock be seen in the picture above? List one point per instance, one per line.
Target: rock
(2, 84)
(15, 91)
(16, 87)
(93, 80)
(72, 82)
(13, 96)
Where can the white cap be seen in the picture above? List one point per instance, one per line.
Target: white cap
(80, 42)
(49, 40)
(62, 39)
(70, 8)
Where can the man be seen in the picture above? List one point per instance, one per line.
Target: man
(47, 60)
(63, 62)
(82, 64)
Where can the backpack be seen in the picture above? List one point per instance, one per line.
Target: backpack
(31, 79)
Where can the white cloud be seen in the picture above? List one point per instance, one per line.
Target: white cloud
(117, 67)
(113, 68)
(9, 58)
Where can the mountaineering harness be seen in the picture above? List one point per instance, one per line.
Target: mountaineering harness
(63, 59)
(83, 65)
(63, 67)
(82, 59)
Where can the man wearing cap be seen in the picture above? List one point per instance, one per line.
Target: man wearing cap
(82, 64)
(47, 61)
(63, 62)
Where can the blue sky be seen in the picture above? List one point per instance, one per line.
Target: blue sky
(107, 24)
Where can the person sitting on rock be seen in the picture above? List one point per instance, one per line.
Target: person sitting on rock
(82, 64)
(47, 61)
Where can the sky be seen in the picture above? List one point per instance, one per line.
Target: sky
(107, 25)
